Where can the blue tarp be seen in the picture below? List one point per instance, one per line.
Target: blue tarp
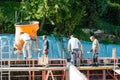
(58, 48)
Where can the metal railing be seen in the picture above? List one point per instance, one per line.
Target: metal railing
(4, 54)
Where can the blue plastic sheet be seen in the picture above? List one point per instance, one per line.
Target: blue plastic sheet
(58, 48)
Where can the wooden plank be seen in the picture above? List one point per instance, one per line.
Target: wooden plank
(49, 72)
(96, 68)
(56, 68)
(117, 71)
(33, 68)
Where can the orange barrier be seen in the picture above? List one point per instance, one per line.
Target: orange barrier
(30, 27)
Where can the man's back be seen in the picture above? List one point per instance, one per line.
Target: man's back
(24, 37)
(74, 43)
(46, 43)
(95, 45)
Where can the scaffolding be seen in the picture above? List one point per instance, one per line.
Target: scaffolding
(30, 70)
(13, 69)
(4, 55)
(58, 70)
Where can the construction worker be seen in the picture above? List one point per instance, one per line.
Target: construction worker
(74, 46)
(95, 49)
(27, 44)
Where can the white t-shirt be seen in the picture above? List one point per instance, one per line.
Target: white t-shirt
(73, 42)
(25, 37)
(95, 43)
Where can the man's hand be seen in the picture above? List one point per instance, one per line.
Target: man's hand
(69, 50)
(91, 50)
(14, 49)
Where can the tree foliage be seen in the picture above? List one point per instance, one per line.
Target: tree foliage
(115, 1)
(94, 8)
(112, 13)
(63, 14)
(62, 17)
(7, 18)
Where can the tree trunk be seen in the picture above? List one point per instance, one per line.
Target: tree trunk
(42, 24)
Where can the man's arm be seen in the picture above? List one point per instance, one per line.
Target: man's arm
(69, 46)
(45, 48)
(95, 48)
(15, 47)
(36, 41)
(80, 45)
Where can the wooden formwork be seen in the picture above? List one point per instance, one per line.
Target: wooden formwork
(104, 71)
(98, 73)
(30, 70)
(58, 70)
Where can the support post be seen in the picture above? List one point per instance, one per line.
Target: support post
(88, 74)
(104, 75)
(33, 72)
(33, 75)
(63, 76)
(29, 75)
(43, 75)
(49, 73)
(115, 60)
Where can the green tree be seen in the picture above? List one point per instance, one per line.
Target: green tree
(94, 8)
(7, 16)
(38, 9)
(63, 14)
(69, 15)
(115, 1)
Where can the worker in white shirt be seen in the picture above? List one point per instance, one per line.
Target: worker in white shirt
(74, 47)
(27, 44)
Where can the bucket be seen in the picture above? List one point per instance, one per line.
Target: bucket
(30, 27)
